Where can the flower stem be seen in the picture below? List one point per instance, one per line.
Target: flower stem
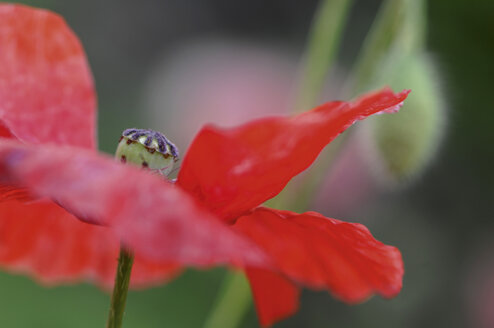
(322, 47)
(398, 28)
(119, 296)
(232, 304)
(385, 36)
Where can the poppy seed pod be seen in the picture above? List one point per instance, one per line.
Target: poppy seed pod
(401, 145)
(148, 149)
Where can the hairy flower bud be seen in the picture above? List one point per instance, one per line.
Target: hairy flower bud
(403, 144)
(148, 149)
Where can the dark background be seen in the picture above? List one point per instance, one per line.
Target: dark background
(442, 222)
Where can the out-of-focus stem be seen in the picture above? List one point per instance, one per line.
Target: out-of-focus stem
(385, 33)
(232, 304)
(322, 47)
(119, 296)
(309, 187)
(398, 29)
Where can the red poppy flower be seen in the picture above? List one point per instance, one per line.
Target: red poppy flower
(211, 215)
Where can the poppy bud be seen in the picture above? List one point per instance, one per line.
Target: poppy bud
(148, 149)
(403, 143)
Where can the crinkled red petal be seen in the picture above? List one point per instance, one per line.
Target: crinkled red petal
(156, 219)
(275, 297)
(45, 241)
(324, 253)
(234, 170)
(12, 193)
(46, 88)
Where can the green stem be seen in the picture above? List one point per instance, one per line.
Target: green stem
(398, 29)
(322, 46)
(232, 304)
(119, 296)
(308, 189)
(383, 36)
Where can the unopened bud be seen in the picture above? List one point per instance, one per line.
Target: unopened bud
(402, 144)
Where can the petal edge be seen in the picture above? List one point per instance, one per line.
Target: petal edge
(234, 170)
(324, 253)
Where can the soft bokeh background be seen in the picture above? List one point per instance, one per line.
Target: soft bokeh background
(175, 64)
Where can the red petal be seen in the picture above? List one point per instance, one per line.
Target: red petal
(12, 193)
(43, 240)
(274, 296)
(234, 170)
(325, 253)
(156, 219)
(46, 88)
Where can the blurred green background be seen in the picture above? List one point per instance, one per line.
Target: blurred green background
(442, 222)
